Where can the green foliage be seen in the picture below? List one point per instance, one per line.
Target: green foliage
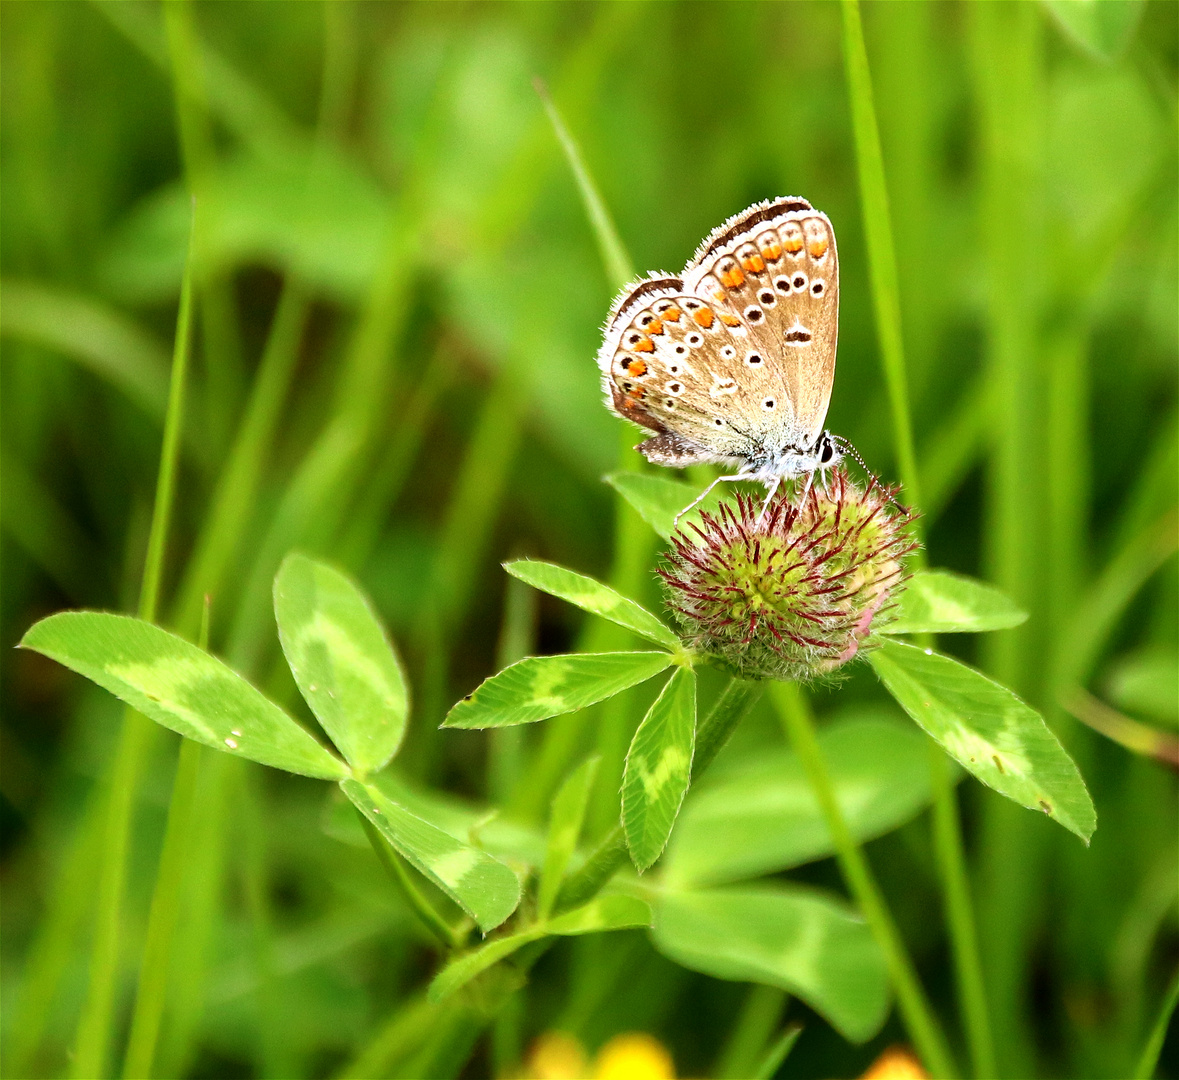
(543, 686)
(403, 259)
(342, 660)
(182, 687)
(482, 886)
(938, 602)
(594, 597)
(988, 731)
(616, 912)
(564, 831)
(788, 937)
(658, 768)
(760, 816)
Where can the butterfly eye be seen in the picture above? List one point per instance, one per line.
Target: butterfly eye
(817, 288)
(782, 284)
(768, 404)
(826, 454)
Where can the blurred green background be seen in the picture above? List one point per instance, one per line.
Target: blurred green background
(399, 301)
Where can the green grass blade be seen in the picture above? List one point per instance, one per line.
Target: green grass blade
(95, 1025)
(916, 1011)
(564, 831)
(882, 262)
(619, 268)
(1149, 1060)
(769, 1065)
(105, 341)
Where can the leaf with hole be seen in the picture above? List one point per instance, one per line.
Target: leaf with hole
(788, 937)
(938, 602)
(989, 731)
(659, 768)
(182, 687)
(342, 660)
(544, 686)
(593, 596)
(483, 887)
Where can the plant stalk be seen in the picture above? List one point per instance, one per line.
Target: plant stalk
(92, 1047)
(734, 703)
(916, 1011)
(430, 917)
(882, 266)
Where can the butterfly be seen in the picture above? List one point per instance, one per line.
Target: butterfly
(732, 362)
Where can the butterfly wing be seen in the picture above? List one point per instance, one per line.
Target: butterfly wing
(735, 359)
(775, 269)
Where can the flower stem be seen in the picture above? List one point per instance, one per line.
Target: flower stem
(914, 1006)
(947, 836)
(711, 735)
(883, 276)
(433, 921)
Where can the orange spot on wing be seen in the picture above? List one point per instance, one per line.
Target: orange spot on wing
(672, 314)
(793, 244)
(644, 345)
(732, 278)
(753, 263)
(637, 368)
(817, 248)
(772, 252)
(704, 317)
(730, 320)
(655, 327)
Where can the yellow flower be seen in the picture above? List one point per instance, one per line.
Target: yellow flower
(634, 1055)
(556, 1055)
(896, 1063)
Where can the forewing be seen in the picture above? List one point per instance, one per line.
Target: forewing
(772, 274)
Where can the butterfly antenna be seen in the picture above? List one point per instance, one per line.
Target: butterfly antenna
(846, 448)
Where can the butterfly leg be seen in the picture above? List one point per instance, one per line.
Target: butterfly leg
(702, 496)
(773, 490)
(810, 479)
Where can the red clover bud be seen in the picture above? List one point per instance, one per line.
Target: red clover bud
(795, 593)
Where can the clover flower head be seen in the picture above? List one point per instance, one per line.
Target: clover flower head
(793, 593)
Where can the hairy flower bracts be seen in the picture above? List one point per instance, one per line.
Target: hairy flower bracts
(792, 594)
